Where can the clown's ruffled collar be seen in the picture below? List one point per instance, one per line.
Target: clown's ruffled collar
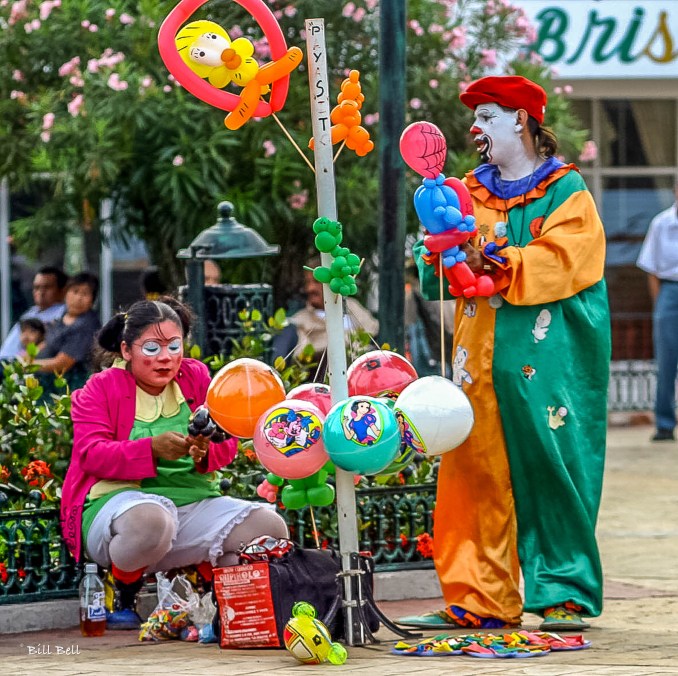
(489, 176)
(486, 185)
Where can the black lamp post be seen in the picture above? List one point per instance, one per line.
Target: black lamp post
(226, 239)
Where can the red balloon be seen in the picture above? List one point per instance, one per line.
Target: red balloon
(201, 88)
(380, 373)
(240, 392)
(316, 393)
(424, 148)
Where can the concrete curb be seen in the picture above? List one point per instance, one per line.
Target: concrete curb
(63, 614)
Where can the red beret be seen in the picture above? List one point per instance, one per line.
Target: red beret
(510, 91)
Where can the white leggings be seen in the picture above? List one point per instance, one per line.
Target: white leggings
(139, 530)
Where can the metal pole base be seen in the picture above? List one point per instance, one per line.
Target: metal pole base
(357, 603)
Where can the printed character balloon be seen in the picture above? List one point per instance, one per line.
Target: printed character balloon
(409, 445)
(240, 392)
(436, 415)
(361, 435)
(308, 639)
(287, 439)
(380, 373)
(317, 393)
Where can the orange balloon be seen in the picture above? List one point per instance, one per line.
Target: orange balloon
(240, 392)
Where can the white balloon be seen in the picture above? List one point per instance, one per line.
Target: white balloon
(437, 413)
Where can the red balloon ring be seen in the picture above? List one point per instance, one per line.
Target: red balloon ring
(201, 88)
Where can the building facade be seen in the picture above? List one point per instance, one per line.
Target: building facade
(620, 58)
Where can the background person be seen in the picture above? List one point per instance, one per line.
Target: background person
(139, 494)
(659, 258)
(522, 493)
(69, 341)
(310, 327)
(48, 292)
(31, 330)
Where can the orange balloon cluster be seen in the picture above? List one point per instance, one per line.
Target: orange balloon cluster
(240, 392)
(346, 117)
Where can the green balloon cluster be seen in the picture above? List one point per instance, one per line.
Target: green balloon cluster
(312, 491)
(346, 265)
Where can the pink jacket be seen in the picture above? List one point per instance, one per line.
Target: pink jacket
(103, 416)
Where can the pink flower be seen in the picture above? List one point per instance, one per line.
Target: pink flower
(76, 80)
(126, 19)
(19, 11)
(46, 9)
(85, 23)
(488, 57)
(371, 4)
(16, 94)
(45, 136)
(92, 66)
(416, 27)
(115, 83)
(269, 148)
(69, 67)
(262, 49)
(348, 10)
(146, 82)
(463, 84)
(589, 152)
(17, 76)
(435, 28)
(568, 89)
(109, 13)
(371, 118)
(290, 11)
(75, 105)
(415, 104)
(458, 37)
(47, 121)
(235, 32)
(433, 84)
(359, 14)
(177, 160)
(93, 28)
(298, 200)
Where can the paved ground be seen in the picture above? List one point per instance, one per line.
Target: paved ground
(636, 635)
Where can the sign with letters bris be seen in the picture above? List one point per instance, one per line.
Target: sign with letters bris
(606, 39)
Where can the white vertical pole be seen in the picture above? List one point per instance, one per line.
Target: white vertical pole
(336, 350)
(5, 264)
(106, 261)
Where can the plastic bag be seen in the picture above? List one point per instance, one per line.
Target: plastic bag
(176, 601)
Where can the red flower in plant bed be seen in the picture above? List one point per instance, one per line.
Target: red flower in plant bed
(425, 545)
(3, 573)
(4, 473)
(36, 473)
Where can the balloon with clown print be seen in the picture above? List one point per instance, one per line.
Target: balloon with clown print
(361, 435)
(288, 441)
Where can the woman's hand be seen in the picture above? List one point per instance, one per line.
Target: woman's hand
(170, 446)
(198, 447)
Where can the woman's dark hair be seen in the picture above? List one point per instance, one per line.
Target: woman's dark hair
(85, 278)
(545, 141)
(128, 326)
(355, 404)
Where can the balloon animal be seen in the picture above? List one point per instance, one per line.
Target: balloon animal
(444, 208)
(346, 118)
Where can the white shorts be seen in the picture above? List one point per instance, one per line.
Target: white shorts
(199, 528)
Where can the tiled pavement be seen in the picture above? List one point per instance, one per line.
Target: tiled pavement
(636, 635)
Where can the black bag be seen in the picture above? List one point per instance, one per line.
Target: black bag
(311, 575)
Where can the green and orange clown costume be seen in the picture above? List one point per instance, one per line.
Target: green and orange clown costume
(522, 493)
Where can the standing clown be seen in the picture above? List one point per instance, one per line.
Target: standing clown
(522, 493)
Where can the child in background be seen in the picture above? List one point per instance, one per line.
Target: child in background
(31, 330)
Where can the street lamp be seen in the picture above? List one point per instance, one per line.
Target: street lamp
(226, 239)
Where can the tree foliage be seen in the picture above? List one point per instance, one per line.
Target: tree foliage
(86, 102)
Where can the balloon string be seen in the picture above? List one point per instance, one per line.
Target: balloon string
(315, 528)
(442, 317)
(293, 142)
(341, 147)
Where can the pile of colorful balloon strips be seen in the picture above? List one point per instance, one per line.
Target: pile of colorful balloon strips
(516, 644)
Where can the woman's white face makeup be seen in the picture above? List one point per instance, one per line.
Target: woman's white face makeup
(495, 135)
(155, 356)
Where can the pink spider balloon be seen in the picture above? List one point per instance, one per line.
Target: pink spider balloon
(424, 148)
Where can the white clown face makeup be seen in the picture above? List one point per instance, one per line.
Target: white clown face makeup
(155, 356)
(495, 135)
